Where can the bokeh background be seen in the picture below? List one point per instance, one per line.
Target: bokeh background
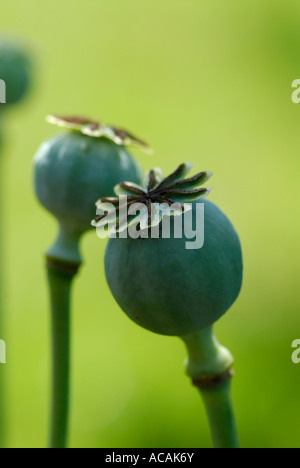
(203, 81)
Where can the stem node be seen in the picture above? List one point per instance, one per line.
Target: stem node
(210, 367)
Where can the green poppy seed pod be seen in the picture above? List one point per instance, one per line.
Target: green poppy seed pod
(170, 290)
(72, 170)
(15, 71)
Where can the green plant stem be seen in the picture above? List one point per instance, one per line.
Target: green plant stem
(61, 273)
(209, 366)
(220, 415)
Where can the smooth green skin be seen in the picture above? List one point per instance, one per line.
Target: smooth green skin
(15, 70)
(72, 171)
(173, 291)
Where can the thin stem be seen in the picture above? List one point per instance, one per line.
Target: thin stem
(61, 273)
(220, 415)
(209, 365)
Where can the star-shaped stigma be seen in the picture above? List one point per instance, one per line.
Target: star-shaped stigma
(158, 196)
(96, 129)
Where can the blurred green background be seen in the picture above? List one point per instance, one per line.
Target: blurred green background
(203, 81)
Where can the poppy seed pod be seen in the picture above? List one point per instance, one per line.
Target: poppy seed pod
(158, 281)
(170, 290)
(15, 71)
(74, 168)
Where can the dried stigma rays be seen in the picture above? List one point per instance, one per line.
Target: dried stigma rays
(96, 129)
(145, 206)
